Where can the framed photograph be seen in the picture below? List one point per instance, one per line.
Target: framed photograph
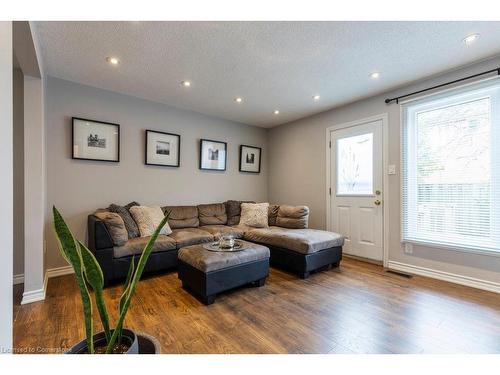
(250, 159)
(213, 155)
(163, 149)
(95, 140)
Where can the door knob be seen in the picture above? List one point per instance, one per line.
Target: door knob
(377, 202)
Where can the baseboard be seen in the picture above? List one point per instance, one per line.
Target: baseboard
(35, 295)
(39, 294)
(59, 271)
(445, 276)
(18, 279)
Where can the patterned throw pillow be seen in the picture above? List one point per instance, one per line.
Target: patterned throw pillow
(254, 215)
(123, 211)
(148, 219)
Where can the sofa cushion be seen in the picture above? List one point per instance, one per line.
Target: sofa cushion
(148, 219)
(190, 236)
(293, 217)
(182, 216)
(233, 211)
(123, 211)
(212, 214)
(254, 215)
(223, 229)
(272, 214)
(115, 226)
(303, 241)
(135, 246)
(207, 261)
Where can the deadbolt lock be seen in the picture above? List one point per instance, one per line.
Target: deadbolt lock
(378, 192)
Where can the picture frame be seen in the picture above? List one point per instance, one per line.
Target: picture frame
(162, 149)
(250, 159)
(95, 140)
(213, 155)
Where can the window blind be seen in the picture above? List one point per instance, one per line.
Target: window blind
(451, 168)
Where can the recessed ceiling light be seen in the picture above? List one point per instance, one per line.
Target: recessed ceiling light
(316, 97)
(112, 60)
(276, 112)
(470, 39)
(238, 99)
(186, 83)
(374, 75)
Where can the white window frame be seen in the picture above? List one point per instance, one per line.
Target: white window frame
(419, 104)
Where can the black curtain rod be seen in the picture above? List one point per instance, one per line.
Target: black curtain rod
(497, 70)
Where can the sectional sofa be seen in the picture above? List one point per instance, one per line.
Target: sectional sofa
(293, 246)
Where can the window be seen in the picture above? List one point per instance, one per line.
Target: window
(355, 165)
(451, 168)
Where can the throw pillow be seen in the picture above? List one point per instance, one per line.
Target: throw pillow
(254, 215)
(123, 211)
(148, 219)
(115, 226)
(233, 211)
(293, 217)
(273, 214)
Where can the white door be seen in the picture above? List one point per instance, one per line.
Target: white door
(356, 188)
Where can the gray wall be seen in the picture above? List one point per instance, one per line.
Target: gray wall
(78, 187)
(18, 92)
(299, 177)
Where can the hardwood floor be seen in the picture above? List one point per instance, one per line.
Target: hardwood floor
(358, 308)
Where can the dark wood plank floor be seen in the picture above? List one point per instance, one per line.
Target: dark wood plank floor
(358, 308)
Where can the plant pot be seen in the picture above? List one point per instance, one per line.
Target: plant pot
(128, 337)
(148, 344)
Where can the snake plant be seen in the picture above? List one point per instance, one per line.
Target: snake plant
(89, 275)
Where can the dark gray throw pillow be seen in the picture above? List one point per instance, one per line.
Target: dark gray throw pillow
(132, 229)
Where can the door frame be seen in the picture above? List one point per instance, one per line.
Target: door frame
(385, 178)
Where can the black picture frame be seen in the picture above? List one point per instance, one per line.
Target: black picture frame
(157, 164)
(202, 141)
(258, 149)
(73, 156)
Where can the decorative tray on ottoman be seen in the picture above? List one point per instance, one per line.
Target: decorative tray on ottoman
(214, 246)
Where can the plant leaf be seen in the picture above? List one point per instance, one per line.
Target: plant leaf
(71, 253)
(93, 275)
(135, 280)
(126, 290)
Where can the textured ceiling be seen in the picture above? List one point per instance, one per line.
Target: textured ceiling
(272, 65)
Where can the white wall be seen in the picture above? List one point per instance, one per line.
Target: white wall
(34, 189)
(298, 177)
(18, 172)
(6, 184)
(79, 187)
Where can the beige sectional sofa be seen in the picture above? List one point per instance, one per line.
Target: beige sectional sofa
(293, 246)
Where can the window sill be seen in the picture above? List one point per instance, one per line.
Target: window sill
(479, 251)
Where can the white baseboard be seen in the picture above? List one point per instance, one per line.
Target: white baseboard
(59, 271)
(35, 295)
(39, 294)
(19, 279)
(445, 276)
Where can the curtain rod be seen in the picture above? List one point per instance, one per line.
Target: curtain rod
(396, 99)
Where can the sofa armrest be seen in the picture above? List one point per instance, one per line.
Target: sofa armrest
(99, 237)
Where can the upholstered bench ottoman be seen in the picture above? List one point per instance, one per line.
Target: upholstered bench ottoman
(300, 250)
(207, 273)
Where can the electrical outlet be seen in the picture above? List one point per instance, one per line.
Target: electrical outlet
(408, 248)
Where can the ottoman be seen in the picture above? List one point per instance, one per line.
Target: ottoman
(206, 273)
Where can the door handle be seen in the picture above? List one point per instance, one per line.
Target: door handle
(377, 202)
